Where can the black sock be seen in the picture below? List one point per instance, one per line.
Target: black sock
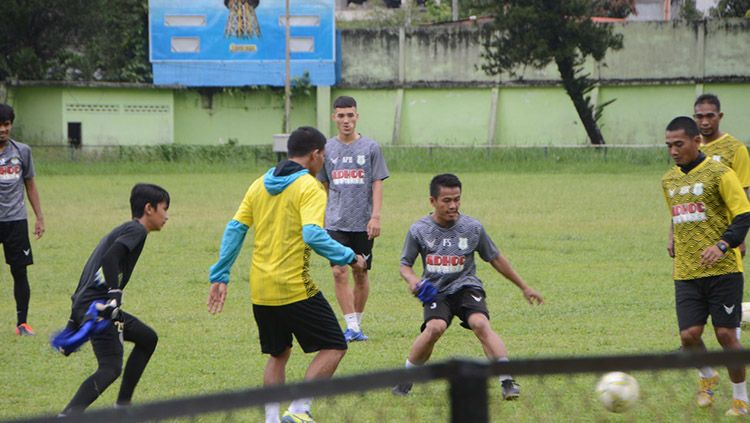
(91, 388)
(22, 293)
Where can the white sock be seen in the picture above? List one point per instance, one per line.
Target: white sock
(301, 405)
(739, 391)
(359, 320)
(272, 412)
(409, 364)
(739, 333)
(351, 322)
(504, 377)
(706, 372)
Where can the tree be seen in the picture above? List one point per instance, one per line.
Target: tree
(538, 32)
(731, 9)
(74, 40)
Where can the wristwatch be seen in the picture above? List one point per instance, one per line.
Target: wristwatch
(722, 246)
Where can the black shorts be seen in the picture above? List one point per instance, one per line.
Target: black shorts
(357, 241)
(15, 238)
(463, 304)
(311, 321)
(718, 296)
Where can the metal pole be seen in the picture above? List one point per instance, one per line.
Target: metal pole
(287, 80)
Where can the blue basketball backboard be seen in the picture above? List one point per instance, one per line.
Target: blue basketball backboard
(196, 42)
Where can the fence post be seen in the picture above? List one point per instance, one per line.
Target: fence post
(468, 394)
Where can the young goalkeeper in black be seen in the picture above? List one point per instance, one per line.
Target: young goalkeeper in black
(104, 276)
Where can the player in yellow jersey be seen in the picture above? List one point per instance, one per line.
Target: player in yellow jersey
(286, 206)
(710, 217)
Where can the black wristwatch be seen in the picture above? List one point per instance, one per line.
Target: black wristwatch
(722, 246)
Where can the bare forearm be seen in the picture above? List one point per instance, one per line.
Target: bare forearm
(503, 266)
(377, 199)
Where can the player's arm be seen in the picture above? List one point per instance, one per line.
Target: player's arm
(411, 278)
(739, 207)
(373, 226)
(503, 266)
(218, 274)
(33, 194)
(670, 240)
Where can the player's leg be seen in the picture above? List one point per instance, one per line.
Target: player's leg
(692, 310)
(361, 290)
(17, 248)
(145, 340)
(108, 350)
(725, 299)
(275, 338)
(475, 316)
(314, 324)
(344, 292)
(437, 318)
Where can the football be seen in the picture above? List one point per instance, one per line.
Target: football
(617, 391)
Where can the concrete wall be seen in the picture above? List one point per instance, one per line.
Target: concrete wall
(423, 87)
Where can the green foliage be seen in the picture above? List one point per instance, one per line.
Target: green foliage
(731, 9)
(539, 32)
(689, 12)
(74, 40)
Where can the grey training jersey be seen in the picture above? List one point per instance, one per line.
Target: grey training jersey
(350, 170)
(448, 253)
(15, 167)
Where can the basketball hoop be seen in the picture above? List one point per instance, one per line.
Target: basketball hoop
(242, 22)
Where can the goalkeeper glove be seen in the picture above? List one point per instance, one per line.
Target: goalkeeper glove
(426, 291)
(111, 309)
(71, 338)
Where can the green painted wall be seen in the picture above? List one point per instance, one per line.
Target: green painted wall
(537, 116)
(455, 117)
(38, 115)
(116, 116)
(250, 117)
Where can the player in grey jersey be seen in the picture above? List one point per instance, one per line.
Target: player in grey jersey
(353, 174)
(449, 287)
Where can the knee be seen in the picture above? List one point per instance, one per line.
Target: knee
(19, 273)
(340, 272)
(150, 339)
(110, 372)
(435, 328)
(727, 337)
(691, 336)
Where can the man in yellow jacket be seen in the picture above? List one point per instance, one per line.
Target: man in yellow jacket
(287, 207)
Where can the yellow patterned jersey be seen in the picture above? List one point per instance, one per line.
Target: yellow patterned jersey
(702, 204)
(733, 153)
(280, 269)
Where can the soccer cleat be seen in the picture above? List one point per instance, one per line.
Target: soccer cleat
(24, 330)
(739, 408)
(353, 336)
(402, 389)
(290, 417)
(511, 390)
(706, 390)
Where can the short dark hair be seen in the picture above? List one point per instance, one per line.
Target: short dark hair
(6, 113)
(143, 194)
(305, 140)
(344, 102)
(686, 124)
(710, 99)
(444, 180)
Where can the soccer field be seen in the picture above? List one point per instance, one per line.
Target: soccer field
(592, 243)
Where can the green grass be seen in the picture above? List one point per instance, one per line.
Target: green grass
(591, 241)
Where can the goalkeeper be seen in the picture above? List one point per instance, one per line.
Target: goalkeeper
(104, 276)
(447, 241)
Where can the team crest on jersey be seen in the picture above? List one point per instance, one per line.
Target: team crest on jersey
(463, 243)
(361, 159)
(716, 158)
(698, 189)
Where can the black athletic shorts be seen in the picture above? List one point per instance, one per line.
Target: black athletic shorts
(15, 238)
(717, 296)
(463, 304)
(311, 321)
(357, 241)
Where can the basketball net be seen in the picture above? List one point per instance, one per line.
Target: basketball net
(242, 22)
